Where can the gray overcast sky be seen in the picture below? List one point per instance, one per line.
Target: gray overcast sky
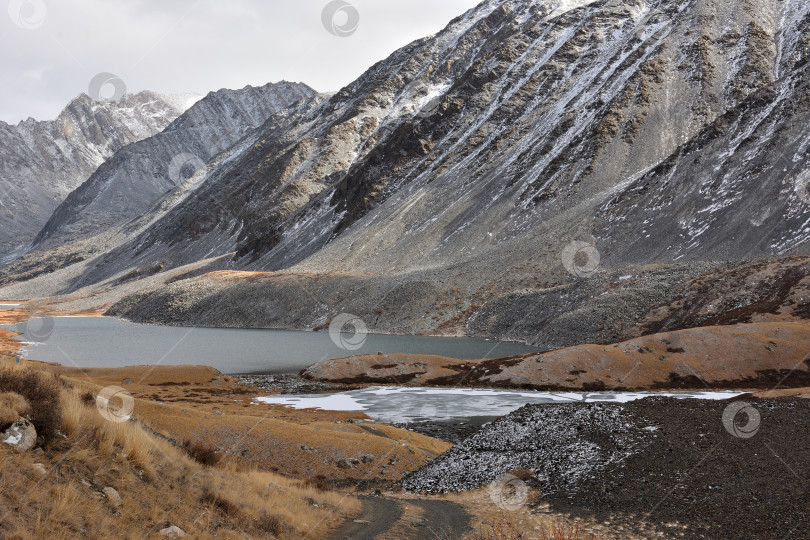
(175, 46)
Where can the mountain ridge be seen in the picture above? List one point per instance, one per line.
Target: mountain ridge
(137, 176)
(445, 187)
(43, 161)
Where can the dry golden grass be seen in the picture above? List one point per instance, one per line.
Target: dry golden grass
(158, 483)
(507, 531)
(200, 405)
(743, 356)
(12, 406)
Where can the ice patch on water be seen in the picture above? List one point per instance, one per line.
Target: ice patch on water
(403, 404)
(330, 402)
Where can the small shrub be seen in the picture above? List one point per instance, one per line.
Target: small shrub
(41, 391)
(316, 482)
(201, 453)
(88, 398)
(270, 524)
(220, 503)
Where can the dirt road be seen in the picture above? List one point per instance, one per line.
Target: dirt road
(393, 519)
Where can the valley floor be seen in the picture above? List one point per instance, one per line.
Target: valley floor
(337, 471)
(325, 459)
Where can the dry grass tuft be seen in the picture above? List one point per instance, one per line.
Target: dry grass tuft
(201, 453)
(270, 524)
(219, 502)
(12, 406)
(316, 482)
(88, 398)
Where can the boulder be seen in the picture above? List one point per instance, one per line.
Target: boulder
(21, 435)
(112, 496)
(172, 532)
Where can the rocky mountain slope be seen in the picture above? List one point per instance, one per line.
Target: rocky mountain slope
(520, 120)
(42, 162)
(138, 175)
(543, 171)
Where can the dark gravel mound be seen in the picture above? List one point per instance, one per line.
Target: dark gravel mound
(562, 445)
(655, 462)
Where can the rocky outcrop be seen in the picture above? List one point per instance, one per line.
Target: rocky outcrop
(21, 435)
(113, 498)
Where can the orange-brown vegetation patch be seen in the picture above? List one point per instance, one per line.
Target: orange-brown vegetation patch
(746, 356)
(199, 404)
(784, 392)
(316, 445)
(9, 347)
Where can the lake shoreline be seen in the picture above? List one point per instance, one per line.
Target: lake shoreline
(100, 341)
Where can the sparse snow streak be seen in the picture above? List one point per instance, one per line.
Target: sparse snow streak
(564, 6)
(646, 126)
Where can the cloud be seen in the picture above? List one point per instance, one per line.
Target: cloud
(196, 45)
